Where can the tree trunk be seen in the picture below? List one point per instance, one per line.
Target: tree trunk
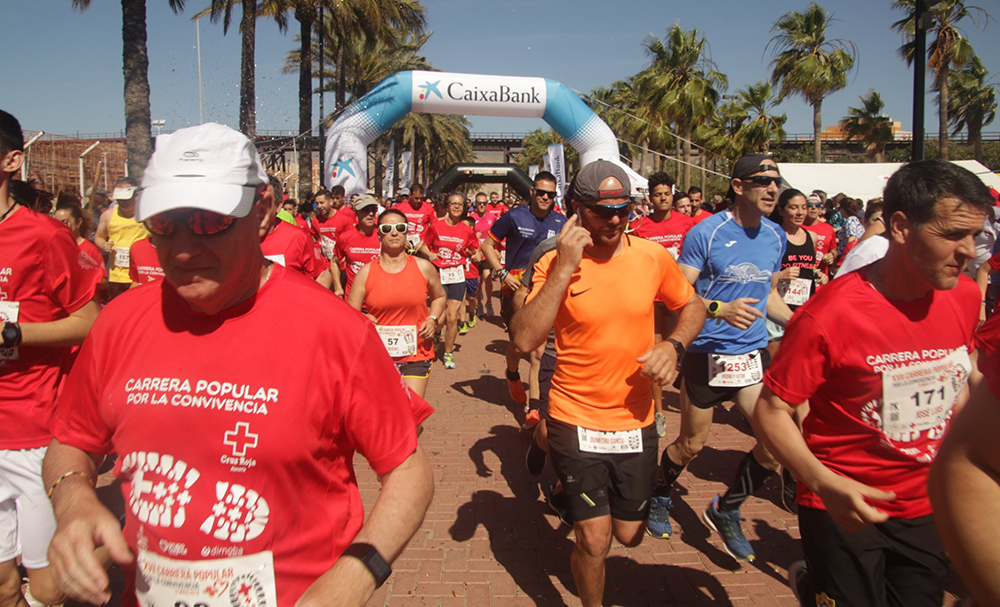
(341, 76)
(677, 156)
(943, 95)
(135, 68)
(686, 133)
(248, 106)
(817, 130)
(305, 13)
(976, 138)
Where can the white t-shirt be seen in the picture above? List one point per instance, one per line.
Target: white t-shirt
(863, 254)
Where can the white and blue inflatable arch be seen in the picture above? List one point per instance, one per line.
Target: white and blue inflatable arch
(468, 94)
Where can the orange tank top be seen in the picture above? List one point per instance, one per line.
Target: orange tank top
(400, 299)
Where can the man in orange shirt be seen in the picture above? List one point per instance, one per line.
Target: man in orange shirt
(597, 289)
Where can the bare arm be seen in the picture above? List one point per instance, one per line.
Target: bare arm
(739, 313)
(983, 280)
(338, 288)
(965, 493)
(101, 236)
(397, 514)
(660, 362)
(69, 331)
(777, 309)
(325, 279)
(493, 258)
(356, 298)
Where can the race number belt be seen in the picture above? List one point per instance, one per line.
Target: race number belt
(623, 441)
(9, 311)
(121, 257)
(735, 370)
(919, 397)
(451, 276)
(399, 340)
(795, 292)
(243, 581)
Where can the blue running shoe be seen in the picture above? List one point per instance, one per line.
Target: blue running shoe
(727, 524)
(658, 523)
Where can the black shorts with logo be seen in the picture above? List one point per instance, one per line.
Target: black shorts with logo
(694, 372)
(597, 484)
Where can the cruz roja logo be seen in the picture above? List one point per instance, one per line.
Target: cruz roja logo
(500, 94)
(428, 88)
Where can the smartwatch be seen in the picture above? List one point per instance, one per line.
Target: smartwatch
(11, 334)
(368, 555)
(713, 308)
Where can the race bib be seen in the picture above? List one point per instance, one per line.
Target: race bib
(243, 581)
(451, 276)
(919, 397)
(623, 441)
(9, 311)
(674, 252)
(278, 259)
(795, 292)
(326, 246)
(735, 370)
(399, 340)
(121, 257)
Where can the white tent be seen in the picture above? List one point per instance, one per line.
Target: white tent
(860, 180)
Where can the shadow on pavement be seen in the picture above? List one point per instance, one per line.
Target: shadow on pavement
(491, 390)
(774, 547)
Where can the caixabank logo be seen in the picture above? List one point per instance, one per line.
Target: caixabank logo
(475, 93)
(499, 94)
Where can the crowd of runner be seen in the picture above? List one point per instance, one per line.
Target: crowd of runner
(853, 335)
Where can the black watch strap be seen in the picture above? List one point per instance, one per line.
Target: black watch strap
(11, 334)
(368, 555)
(679, 347)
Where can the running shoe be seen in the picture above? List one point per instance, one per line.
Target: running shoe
(658, 523)
(559, 504)
(449, 361)
(479, 310)
(472, 321)
(727, 524)
(531, 419)
(661, 423)
(798, 579)
(534, 459)
(489, 309)
(788, 491)
(463, 328)
(516, 388)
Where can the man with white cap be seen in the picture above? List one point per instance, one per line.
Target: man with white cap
(116, 231)
(223, 430)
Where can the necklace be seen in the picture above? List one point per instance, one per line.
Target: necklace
(7, 212)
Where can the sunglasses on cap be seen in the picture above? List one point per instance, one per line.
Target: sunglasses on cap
(762, 180)
(607, 211)
(389, 228)
(549, 193)
(200, 222)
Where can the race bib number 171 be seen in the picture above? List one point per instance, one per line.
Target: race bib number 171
(919, 397)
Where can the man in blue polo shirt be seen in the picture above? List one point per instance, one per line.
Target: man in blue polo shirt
(521, 230)
(733, 259)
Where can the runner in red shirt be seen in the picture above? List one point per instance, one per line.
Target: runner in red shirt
(826, 245)
(419, 214)
(47, 303)
(495, 207)
(698, 214)
(145, 265)
(447, 244)
(235, 440)
(484, 221)
(358, 245)
(881, 395)
(328, 223)
(290, 246)
(79, 222)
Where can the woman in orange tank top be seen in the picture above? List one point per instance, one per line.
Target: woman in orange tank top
(395, 289)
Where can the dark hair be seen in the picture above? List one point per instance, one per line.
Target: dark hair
(850, 206)
(478, 194)
(543, 176)
(29, 196)
(86, 223)
(321, 192)
(68, 194)
(337, 190)
(786, 196)
(681, 195)
(660, 179)
(414, 189)
(11, 136)
(305, 208)
(278, 188)
(694, 190)
(916, 187)
(391, 211)
(469, 219)
(871, 209)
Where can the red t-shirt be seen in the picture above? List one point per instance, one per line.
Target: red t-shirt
(145, 266)
(670, 232)
(326, 231)
(417, 220)
(303, 223)
(291, 247)
(354, 250)
(838, 350)
(496, 210)
(449, 242)
(94, 253)
(44, 276)
(231, 445)
(700, 217)
(988, 343)
(826, 241)
(483, 224)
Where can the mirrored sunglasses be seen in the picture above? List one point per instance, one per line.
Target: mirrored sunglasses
(200, 222)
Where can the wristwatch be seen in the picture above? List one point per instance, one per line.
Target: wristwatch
(713, 308)
(679, 347)
(432, 317)
(368, 555)
(11, 334)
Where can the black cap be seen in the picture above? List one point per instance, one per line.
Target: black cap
(751, 164)
(586, 186)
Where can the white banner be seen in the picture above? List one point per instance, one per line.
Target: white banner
(444, 93)
(558, 163)
(532, 171)
(389, 166)
(404, 169)
(546, 163)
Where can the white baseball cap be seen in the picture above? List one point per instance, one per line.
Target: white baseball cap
(209, 167)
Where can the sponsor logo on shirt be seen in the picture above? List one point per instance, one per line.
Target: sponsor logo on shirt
(240, 439)
(745, 273)
(239, 515)
(730, 243)
(200, 394)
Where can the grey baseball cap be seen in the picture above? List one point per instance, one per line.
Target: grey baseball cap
(586, 186)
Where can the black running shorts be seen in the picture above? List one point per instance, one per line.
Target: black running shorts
(694, 371)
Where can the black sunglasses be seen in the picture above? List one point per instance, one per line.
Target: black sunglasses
(763, 180)
(550, 193)
(200, 222)
(607, 211)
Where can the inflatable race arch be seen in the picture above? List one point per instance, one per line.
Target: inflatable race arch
(364, 120)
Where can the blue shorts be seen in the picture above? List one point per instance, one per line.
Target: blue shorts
(471, 286)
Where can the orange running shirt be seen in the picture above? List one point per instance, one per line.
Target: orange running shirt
(604, 323)
(400, 299)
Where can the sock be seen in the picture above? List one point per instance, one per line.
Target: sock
(669, 471)
(513, 375)
(749, 477)
(533, 404)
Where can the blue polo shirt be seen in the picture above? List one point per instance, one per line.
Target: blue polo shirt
(733, 262)
(522, 232)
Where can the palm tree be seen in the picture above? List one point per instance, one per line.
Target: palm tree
(973, 102)
(682, 82)
(721, 132)
(808, 64)
(949, 49)
(756, 135)
(135, 68)
(869, 125)
(536, 144)
(633, 121)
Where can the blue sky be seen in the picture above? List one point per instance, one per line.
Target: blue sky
(68, 78)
